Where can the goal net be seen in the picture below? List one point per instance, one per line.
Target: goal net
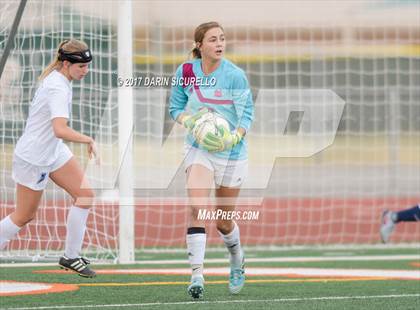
(336, 195)
(44, 24)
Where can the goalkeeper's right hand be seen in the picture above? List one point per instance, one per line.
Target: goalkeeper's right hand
(188, 121)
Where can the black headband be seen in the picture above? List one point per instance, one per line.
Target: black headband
(75, 57)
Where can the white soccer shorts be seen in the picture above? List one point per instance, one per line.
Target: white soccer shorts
(36, 177)
(227, 173)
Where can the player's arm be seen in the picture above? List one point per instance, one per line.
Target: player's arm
(242, 98)
(59, 115)
(178, 100)
(177, 103)
(63, 131)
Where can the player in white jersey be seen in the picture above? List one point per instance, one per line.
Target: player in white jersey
(40, 154)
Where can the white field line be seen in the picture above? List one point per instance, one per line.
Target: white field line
(219, 302)
(269, 271)
(285, 248)
(290, 259)
(251, 260)
(16, 287)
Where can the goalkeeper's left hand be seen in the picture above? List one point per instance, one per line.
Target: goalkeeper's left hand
(225, 140)
(188, 121)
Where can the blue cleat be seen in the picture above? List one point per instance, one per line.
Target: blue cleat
(196, 288)
(236, 279)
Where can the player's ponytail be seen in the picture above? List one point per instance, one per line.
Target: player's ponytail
(196, 51)
(199, 33)
(69, 46)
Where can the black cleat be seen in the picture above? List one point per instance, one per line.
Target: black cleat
(78, 265)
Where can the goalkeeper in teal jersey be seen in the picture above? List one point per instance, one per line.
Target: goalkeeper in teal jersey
(212, 83)
(229, 97)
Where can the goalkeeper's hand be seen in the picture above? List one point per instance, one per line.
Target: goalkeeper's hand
(188, 121)
(225, 140)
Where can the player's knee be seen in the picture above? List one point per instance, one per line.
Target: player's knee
(224, 227)
(85, 198)
(23, 219)
(89, 193)
(194, 213)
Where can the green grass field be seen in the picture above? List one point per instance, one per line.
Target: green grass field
(133, 291)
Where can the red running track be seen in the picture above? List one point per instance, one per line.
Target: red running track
(294, 221)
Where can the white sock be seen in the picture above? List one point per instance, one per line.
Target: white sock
(8, 230)
(233, 244)
(76, 226)
(196, 246)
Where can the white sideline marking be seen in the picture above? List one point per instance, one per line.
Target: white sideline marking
(311, 272)
(21, 287)
(285, 248)
(249, 260)
(290, 259)
(220, 302)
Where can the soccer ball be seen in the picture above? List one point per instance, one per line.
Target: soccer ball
(207, 123)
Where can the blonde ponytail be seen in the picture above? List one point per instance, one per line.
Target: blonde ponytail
(71, 45)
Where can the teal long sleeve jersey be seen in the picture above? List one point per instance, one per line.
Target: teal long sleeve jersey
(225, 91)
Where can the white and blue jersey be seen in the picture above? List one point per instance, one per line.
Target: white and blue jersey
(38, 145)
(225, 91)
